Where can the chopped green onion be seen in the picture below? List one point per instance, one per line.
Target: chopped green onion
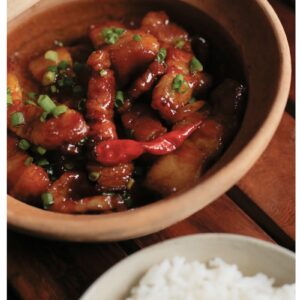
(24, 145)
(103, 73)
(9, 97)
(28, 161)
(58, 43)
(47, 199)
(53, 89)
(195, 65)
(52, 69)
(137, 38)
(162, 54)
(49, 78)
(31, 95)
(51, 55)
(28, 101)
(111, 35)
(63, 65)
(58, 110)
(179, 44)
(40, 150)
(43, 162)
(17, 118)
(46, 103)
(179, 83)
(119, 101)
(130, 183)
(44, 116)
(93, 176)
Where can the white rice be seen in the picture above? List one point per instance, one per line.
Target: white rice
(177, 279)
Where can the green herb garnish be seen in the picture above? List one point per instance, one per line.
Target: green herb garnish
(179, 84)
(162, 54)
(58, 110)
(40, 150)
(93, 176)
(195, 65)
(28, 161)
(179, 44)
(46, 103)
(51, 55)
(24, 144)
(111, 35)
(47, 200)
(119, 100)
(102, 73)
(17, 118)
(9, 97)
(137, 38)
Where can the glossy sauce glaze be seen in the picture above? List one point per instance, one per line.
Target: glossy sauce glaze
(132, 110)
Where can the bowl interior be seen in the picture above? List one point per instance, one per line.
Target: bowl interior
(250, 255)
(265, 58)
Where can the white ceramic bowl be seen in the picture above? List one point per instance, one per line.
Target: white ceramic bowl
(249, 254)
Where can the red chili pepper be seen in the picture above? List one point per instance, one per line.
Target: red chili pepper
(113, 152)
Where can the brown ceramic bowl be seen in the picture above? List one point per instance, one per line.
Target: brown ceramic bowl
(255, 30)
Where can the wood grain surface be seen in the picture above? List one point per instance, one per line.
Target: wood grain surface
(261, 205)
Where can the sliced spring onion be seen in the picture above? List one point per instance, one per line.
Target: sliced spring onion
(63, 65)
(9, 97)
(51, 55)
(195, 65)
(17, 118)
(93, 176)
(103, 73)
(179, 84)
(28, 161)
(43, 162)
(179, 44)
(52, 69)
(49, 78)
(53, 89)
(119, 101)
(111, 35)
(137, 38)
(31, 95)
(46, 103)
(47, 200)
(28, 101)
(161, 55)
(40, 150)
(24, 144)
(44, 116)
(58, 110)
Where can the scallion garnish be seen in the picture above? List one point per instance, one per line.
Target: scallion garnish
(47, 200)
(102, 73)
(179, 44)
(44, 116)
(51, 55)
(43, 162)
(28, 101)
(52, 69)
(161, 55)
(111, 35)
(137, 38)
(24, 144)
(40, 150)
(63, 65)
(93, 176)
(119, 100)
(49, 78)
(46, 103)
(179, 84)
(58, 110)
(28, 161)
(53, 89)
(17, 118)
(9, 97)
(195, 65)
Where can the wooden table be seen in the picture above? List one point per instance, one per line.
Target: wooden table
(261, 205)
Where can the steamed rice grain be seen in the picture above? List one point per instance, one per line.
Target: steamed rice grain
(177, 279)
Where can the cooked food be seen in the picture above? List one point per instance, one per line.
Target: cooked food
(178, 279)
(120, 118)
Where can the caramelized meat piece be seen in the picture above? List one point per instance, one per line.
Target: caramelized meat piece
(142, 123)
(67, 196)
(39, 66)
(97, 33)
(167, 33)
(26, 181)
(68, 127)
(133, 51)
(180, 170)
(99, 106)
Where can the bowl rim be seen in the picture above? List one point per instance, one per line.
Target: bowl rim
(109, 227)
(203, 237)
